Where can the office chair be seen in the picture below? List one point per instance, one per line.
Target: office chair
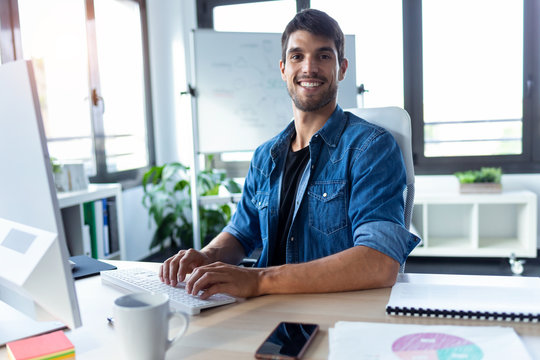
(397, 121)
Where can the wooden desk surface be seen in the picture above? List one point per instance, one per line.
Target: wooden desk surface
(235, 331)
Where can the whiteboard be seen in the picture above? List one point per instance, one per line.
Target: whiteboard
(241, 99)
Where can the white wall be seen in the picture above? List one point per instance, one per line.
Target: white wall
(138, 230)
(510, 182)
(169, 22)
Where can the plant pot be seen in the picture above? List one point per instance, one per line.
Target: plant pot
(480, 188)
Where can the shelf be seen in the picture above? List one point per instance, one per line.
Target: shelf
(94, 192)
(96, 238)
(484, 225)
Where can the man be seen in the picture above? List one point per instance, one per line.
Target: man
(324, 198)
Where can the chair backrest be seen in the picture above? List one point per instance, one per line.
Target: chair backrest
(397, 121)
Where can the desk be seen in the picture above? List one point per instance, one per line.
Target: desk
(235, 331)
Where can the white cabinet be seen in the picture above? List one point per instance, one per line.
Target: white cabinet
(100, 206)
(479, 225)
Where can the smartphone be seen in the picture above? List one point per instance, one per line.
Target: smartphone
(287, 341)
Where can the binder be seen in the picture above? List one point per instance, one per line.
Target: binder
(89, 219)
(113, 226)
(501, 298)
(106, 244)
(98, 219)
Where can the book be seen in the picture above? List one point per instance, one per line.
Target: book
(54, 345)
(113, 225)
(106, 244)
(89, 219)
(98, 219)
(483, 297)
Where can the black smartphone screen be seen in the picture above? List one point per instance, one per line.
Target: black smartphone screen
(288, 340)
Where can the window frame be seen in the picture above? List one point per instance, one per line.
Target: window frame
(132, 177)
(10, 41)
(528, 162)
(205, 9)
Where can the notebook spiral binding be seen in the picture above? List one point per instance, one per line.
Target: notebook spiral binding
(453, 314)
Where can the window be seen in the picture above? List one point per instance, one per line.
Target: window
(470, 80)
(465, 70)
(121, 69)
(91, 65)
(255, 15)
(276, 16)
(462, 65)
(377, 27)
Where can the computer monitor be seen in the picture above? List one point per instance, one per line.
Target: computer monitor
(35, 276)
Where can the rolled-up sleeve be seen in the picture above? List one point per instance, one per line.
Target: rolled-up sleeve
(389, 238)
(377, 206)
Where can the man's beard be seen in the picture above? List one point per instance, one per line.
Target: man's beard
(309, 104)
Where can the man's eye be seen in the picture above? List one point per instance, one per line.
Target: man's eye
(325, 57)
(295, 57)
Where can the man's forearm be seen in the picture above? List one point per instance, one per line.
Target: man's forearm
(225, 248)
(353, 269)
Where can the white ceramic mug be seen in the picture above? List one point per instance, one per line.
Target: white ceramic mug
(141, 322)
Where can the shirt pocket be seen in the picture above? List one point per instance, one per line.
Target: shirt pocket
(260, 201)
(328, 205)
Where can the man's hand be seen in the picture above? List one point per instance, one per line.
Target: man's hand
(175, 268)
(219, 277)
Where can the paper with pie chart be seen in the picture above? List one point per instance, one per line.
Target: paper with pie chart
(435, 346)
(370, 341)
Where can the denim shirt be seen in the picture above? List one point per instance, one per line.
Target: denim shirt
(351, 193)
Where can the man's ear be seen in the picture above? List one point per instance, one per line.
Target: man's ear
(282, 68)
(343, 69)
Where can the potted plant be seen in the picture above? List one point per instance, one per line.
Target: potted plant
(485, 180)
(167, 196)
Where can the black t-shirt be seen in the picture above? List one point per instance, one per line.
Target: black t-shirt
(294, 167)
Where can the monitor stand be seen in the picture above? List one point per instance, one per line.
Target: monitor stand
(15, 325)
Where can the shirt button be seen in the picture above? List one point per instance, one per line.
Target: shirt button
(292, 238)
(259, 203)
(324, 195)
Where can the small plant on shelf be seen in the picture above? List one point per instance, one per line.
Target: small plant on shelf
(485, 180)
(167, 197)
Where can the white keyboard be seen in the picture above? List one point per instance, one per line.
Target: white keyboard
(142, 280)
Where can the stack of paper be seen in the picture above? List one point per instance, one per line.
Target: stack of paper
(368, 341)
(51, 346)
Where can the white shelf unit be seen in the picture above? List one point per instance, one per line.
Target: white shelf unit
(72, 208)
(479, 225)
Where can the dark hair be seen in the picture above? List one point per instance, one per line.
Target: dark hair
(318, 23)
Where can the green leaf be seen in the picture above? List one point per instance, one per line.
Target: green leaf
(181, 185)
(167, 198)
(484, 175)
(232, 186)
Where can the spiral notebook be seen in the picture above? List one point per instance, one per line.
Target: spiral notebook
(466, 296)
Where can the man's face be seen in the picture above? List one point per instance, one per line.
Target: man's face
(311, 71)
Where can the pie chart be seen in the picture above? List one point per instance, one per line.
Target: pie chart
(435, 346)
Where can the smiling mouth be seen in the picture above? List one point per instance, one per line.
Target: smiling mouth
(310, 84)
